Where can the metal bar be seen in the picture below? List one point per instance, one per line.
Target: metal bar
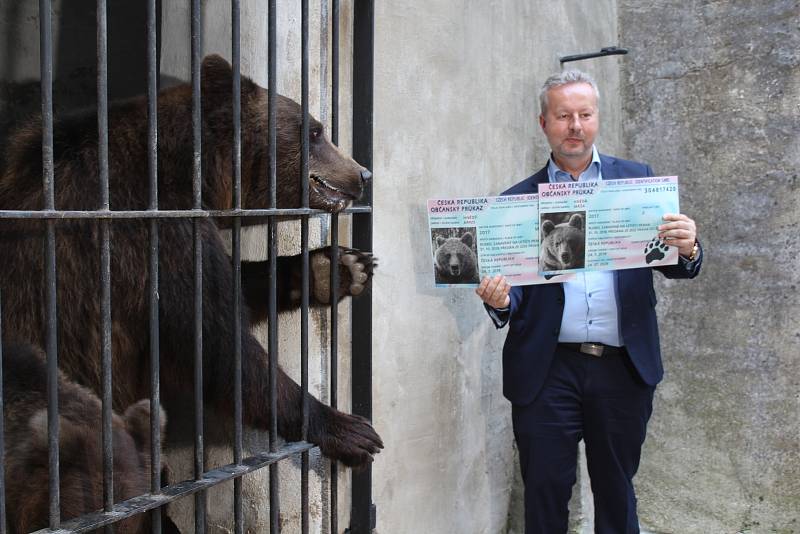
(335, 72)
(169, 494)
(305, 271)
(152, 167)
(607, 51)
(155, 373)
(105, 257)
(362, 514)
(3, 519)
(46, 69)
(334, 339)
(238, 503)
(334, 369)
(170, 214)
(274, 487)
(199, 464)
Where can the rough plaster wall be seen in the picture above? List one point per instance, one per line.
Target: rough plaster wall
(455, 115)
(712, 93)
(175, 64)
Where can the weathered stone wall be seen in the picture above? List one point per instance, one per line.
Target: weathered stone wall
(711, 92)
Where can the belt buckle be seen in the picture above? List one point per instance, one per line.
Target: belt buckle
(593, 349)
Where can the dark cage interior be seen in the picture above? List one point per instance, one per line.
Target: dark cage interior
(125, 322)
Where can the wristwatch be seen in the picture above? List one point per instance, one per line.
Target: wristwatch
(695, 250)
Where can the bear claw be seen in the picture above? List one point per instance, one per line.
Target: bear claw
(355, 271)
(350, 439)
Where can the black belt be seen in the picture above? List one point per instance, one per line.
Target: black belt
(593, 349)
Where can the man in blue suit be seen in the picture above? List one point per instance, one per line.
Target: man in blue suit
(582, 358)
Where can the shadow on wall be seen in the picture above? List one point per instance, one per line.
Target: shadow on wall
(74, 57)
(462, 303)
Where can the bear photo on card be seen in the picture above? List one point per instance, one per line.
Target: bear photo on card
(455, 256)
(562, 243)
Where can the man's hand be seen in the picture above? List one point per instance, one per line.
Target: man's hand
(494, 291)
(678, 231)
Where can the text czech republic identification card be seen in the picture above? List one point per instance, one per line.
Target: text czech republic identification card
(484, 236)
(605, 225)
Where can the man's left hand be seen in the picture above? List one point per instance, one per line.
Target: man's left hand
(679, 231)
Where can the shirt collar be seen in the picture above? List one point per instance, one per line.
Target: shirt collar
(593, 171)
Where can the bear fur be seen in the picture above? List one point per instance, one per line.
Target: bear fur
(80, 447)
(454, 260)
(562, 245)
(335, 181)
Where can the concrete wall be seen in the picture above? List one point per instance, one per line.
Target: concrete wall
(455, 115)
(711, 92)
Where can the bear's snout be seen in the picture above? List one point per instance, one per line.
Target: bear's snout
(455, 270)
(366, 177)
(566, 257)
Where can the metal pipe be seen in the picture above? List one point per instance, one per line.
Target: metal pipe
(144, 503)
(334, 335)
(238, 503)
(363, 514)
(607, 51)
(152, 168)
(3, 519)
(170, 214)
(46, 70)
(272, 245)
(105, 258)
(305, 271)
(199, 464)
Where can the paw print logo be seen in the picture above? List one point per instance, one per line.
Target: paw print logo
(655, 250)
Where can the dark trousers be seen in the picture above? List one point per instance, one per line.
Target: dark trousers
(603, 401)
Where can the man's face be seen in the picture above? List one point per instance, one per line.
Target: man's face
(571, 121)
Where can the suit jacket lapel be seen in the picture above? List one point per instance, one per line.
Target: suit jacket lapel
(538, 178)
(609, 167)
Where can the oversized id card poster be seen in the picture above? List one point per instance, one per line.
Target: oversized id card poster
(483, 236)
(605, 225)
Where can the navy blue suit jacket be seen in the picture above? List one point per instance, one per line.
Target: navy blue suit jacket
(535, 311)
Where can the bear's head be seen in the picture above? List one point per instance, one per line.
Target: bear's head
(563, 243)
(335, 179)
(455, 258)
(81, 466)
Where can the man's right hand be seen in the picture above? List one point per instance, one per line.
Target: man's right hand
(494, 291)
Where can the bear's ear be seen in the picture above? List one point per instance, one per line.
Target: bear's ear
(216, 75)
(137, 421)
(467, 239)
(440, 240)
(547, 227)
(216, 78)
(71, 437)
(576, 221)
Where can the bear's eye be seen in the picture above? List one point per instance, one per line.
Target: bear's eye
(315, 133)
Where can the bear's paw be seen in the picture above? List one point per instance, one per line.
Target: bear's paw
(655, 250)
(355, 272)
(347, 438)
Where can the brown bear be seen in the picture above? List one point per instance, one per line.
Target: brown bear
(562, 245)
(335, 181)
(80, 447)
(454, 260)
